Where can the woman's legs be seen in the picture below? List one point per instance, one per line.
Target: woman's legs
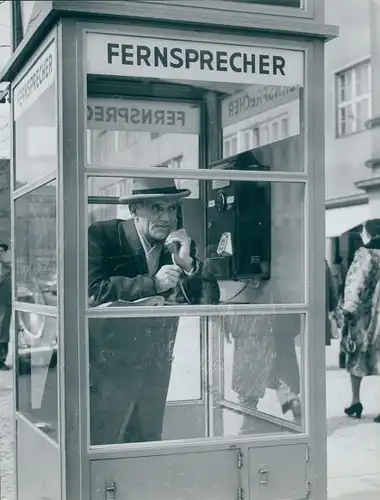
(355, 385)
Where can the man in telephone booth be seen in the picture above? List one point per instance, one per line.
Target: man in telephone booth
(149, 259)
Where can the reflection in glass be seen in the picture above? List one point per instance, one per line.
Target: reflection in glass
(251, 369)
(37, 385)
(36, 246)
(261, 366)
(132, 133)
(259, 115)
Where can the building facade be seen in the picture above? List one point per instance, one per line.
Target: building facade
(352, 188)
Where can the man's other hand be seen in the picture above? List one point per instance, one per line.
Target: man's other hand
(167, 277)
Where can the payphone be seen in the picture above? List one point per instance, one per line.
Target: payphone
(238, 220)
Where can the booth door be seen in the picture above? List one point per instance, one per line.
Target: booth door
(238, 369)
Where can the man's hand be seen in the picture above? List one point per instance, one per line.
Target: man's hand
(167, 277)
(179, 244)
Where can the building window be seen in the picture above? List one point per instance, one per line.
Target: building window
(353, 91)
(230, 146)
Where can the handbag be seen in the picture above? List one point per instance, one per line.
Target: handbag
(348, 342)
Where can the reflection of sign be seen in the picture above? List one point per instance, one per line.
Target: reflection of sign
(255, 100)
(38, 79)
(190, 60)
(147, 116)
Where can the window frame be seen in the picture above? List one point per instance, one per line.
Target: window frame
(353, 100)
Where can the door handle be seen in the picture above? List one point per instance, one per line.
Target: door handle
(111, 491)
(263, 471)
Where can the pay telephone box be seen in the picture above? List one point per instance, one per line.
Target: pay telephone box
(239, 222)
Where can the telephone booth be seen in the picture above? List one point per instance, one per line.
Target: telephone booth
(123, 391)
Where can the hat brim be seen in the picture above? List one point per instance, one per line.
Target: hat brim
(181, 193)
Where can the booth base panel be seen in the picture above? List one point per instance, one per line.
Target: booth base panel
(185, 476)
(38, 465)
(277, 472)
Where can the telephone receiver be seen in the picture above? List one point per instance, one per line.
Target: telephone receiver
(172, 247)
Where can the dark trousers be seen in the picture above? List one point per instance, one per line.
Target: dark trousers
(5, 321)
(129, 378)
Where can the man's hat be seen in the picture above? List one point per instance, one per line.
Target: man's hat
(154, 189)
(4, 246)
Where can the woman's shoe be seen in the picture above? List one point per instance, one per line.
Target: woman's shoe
(354, 410)
(377, 419)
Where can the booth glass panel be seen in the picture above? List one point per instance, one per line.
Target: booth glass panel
(136, 133)
(35, 121)
(261, 363)
(36, 246)
(257, 116)
(252, 372)
(248, 239)
(36, 375)
(278, 3)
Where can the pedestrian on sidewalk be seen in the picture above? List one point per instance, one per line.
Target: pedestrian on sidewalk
(5, 306)
(332, 301)
(360, 344)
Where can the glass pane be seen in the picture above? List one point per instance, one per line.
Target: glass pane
(138, 392)
(362, 79)
(280, 3)
(261, 358)
(265, 111)
(186, 374)
(36, 246)
(131, 133)
(35, 115)
(37, 384)
(239, 242)
(5, 35)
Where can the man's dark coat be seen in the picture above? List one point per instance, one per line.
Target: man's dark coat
(130, 359)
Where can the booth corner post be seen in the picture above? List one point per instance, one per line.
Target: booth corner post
(199, 122)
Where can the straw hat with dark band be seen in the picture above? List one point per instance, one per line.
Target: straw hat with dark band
(154, 189)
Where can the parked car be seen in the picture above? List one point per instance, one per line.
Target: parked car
(36, 333)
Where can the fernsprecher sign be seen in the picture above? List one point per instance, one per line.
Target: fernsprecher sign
(142, 116)
(132, 56)
(36, 81)
(255, 100)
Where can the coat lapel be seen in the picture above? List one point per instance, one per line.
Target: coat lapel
(130, 246)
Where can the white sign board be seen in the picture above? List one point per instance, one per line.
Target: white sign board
(142, 116)
(133, 56)
(36, 81)
(255, 100)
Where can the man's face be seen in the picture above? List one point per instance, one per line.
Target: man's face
(156, 219)
(2, 252)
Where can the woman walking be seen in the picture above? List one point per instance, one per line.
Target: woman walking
(361, 309)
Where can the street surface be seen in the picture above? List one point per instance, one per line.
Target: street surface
(353, 446)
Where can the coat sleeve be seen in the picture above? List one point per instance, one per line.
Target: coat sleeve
(357, 281)
(103, 288)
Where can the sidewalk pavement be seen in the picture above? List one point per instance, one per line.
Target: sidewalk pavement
(353, 446)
